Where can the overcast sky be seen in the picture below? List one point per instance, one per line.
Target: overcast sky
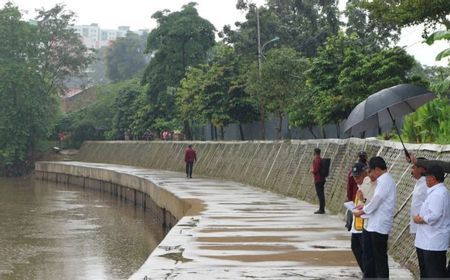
(110, 14)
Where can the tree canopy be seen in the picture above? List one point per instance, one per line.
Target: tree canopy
(35, 60)
(181, 40)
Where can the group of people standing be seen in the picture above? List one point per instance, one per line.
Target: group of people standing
(373, 191)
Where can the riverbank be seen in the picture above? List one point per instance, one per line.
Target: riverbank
(235, 230)
(282, 167)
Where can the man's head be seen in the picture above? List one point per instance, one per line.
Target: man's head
(190, 146)
(377, 167)
(435, 175)
(317, 151)
(362, 156)
(417, 171)
(359, 172)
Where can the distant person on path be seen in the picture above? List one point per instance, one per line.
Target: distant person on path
(190, 156)
(433, 223)
(319, 181)
(380, 211)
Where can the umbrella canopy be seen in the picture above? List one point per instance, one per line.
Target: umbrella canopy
(386, 106)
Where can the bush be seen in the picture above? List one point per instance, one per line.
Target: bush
(429, 124)
(83, 132)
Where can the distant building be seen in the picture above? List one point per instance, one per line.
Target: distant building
(94, 37)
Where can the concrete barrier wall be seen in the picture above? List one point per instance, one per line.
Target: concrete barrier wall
(282, 167)
(167, 208)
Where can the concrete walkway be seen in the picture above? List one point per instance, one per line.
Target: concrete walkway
(243, 232)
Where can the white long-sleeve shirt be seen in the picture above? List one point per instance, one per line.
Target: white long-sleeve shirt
(380, 210)
(434, 234)
(419, 195)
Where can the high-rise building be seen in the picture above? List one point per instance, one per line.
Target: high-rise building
(94, 37)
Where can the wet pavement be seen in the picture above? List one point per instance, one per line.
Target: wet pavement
(243, 232)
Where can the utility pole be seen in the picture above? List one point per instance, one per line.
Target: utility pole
(260, 103)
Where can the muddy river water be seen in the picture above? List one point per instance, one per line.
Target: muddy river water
(50, 231)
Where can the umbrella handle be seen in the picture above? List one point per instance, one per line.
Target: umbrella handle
(398, 133)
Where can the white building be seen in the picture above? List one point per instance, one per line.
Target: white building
(94, 37)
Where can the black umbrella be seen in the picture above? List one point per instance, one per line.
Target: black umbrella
(386, 106)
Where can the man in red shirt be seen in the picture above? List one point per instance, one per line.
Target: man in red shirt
(319, 181)
(190, 156)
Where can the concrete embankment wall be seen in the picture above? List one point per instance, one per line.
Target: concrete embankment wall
(281, 167)
(165, 207)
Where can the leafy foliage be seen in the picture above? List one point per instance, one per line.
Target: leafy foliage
(125, 58)
(343, 74)
(410, 12)
(282, 79)
(429, 124)
(214, 92)
(181, 39)
(35, 60)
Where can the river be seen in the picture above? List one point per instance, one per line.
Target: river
(52, 231)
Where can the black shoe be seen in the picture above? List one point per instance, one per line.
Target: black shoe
(319, 212)
(190, 177)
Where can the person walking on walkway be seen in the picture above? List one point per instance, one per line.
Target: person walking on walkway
(319, 181)
(433, 223)
(380, 211)
(190, 156)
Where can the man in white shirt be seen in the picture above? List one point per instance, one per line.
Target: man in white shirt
(366, 188)
(432, 236)
(419, 194)
(380, 211)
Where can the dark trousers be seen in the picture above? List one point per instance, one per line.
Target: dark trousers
(321, 195)
(379, 247)
(448, 269)
(432, 263)
(189, 166)
(368, 258)
(357, 249)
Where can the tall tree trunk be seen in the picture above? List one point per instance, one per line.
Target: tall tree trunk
(311, 130)
(338, 130)
(280, 124)
(215, 133)
(212, 131)
(263, 125)
(222, 133)
(241, 132)
(187, 130)
(322, 129)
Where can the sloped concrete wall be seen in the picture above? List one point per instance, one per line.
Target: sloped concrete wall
(281, 167)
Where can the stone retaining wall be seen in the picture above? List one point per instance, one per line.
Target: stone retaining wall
(282, 167)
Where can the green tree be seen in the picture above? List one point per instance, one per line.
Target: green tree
(125, 106)
(282, 78)
(374, 34)
(125, 58)
(410, 12)
(343, 74)
(215, 92)
(181, 39)
(301, 25)
(35, 60)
